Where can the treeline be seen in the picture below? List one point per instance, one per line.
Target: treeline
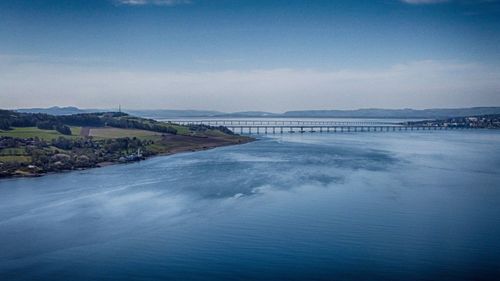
(139, 123)
(203, 128)
(49, 125)
(61, 123)
(9, 119)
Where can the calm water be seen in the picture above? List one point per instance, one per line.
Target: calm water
(366, 206)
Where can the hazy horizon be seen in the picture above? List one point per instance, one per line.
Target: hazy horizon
(273, 112)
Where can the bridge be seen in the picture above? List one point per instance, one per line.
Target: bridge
(266, 129)
(241, 122)
(310, 126)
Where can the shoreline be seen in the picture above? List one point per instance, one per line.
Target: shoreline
(173, 151)
(170, 153)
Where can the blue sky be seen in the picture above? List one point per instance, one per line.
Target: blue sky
(250, 55)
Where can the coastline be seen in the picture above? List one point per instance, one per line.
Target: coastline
(173, 151)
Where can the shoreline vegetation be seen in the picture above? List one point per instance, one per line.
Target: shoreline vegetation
(34, 144)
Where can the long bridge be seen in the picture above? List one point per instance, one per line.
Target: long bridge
(241, 122)
(266, 129)
(310, 126)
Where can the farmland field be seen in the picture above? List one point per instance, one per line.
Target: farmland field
(31, 132)
(109, 132)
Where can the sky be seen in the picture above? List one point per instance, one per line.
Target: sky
(269, 55)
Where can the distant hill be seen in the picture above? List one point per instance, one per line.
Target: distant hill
(435, 113)
(250, 114)
(395, 113)
(56, 110)
(169, 113)
(149, 113)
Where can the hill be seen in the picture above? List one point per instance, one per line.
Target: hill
(35, 143)
(434, 113)
(56, 110)
(395, 113)
(149, 113)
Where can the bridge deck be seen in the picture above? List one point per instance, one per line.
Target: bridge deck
(328, 129)
(309, 126)
(279, 122)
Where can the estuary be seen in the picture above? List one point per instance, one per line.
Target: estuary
(345, 206)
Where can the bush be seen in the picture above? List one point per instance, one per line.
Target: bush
(4, 125)
(63, 129)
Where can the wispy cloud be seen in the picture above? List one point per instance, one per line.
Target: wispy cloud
(414, 84)
(423, 2)
(153, 2)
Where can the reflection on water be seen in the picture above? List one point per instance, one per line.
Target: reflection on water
(372, 206)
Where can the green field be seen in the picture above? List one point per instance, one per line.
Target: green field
(75, 131)
(181, 130)
(13, 151)
(31, 132)
(15, 158)
(105, 133)
(111, 133)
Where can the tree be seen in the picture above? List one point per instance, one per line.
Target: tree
(63, 129)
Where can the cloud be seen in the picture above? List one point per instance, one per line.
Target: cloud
(153, 2)
(419, 84)
(422, 2)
